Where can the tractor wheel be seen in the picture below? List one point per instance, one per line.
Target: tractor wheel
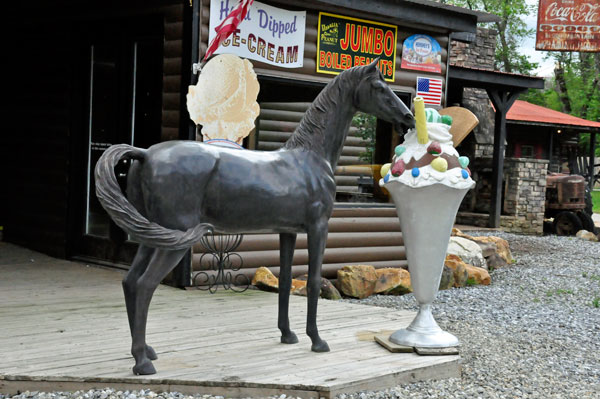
(567, 223)
(586, 221)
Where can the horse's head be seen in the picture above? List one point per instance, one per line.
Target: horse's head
(374, 96)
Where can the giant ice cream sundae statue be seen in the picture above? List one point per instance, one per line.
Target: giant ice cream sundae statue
(427, 180)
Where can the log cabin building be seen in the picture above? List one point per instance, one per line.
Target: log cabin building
(97, 73)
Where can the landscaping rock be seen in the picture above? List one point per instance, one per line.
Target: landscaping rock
(499, 245)
(468, 250)
(488, 249)
(495, 261)
(587, 235)
(357, 281)
(328, 290)
(297, 287)
(478, 275)
(265, 280)
(447, 280)
(502, 247)
(459, 270)
(391, 281)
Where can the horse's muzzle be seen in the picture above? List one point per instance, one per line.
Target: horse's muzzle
(407, 122)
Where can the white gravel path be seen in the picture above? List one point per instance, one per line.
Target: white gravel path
(533, 333)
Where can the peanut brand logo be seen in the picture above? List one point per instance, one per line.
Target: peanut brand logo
(329, 33)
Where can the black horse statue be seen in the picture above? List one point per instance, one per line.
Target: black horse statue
(177, 191)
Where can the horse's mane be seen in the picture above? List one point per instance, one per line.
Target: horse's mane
(310, 132)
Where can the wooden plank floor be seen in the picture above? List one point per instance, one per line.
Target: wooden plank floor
(63, 326)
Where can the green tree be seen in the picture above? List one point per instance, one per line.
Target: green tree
(511, 31)
(366, 125)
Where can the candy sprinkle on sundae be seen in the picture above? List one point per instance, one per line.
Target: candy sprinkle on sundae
(427, 156)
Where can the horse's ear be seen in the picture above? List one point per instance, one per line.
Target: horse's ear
(372, 67)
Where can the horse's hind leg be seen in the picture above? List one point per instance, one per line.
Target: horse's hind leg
(287, 243)
(138, 267)
(161, 263)
(317, 238)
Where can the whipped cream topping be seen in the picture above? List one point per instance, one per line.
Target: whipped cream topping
(428, 175)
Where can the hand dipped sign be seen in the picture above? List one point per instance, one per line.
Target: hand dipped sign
(267, 34)
(345, 42)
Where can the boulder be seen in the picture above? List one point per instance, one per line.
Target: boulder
(328, 290)
(502, 247)
(499, 245)
(468, 250)
(265, 280)
(459, 270)
(447, 280)
(488, 249)
(392, 281)
(297, 286)
(495, 261)
(478, 275)
(587, 235)
(357, 281)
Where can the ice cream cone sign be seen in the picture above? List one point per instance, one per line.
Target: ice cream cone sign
(463, 122)
(224, 99)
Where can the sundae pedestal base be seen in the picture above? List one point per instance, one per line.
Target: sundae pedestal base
(424, 332)
(426, 217)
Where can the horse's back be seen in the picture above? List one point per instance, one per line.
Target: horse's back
(184, 183)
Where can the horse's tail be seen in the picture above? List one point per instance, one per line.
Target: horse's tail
(126, 216)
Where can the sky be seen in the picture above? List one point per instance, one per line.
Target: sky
(546, 67)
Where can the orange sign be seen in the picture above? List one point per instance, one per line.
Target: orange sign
(568, 25)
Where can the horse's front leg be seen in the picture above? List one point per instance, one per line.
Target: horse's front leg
(317, 238)
(161, 263)
(287, 244)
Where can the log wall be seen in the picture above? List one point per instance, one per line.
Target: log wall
(356, 236)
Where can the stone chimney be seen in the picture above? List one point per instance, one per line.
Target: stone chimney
(478, 54)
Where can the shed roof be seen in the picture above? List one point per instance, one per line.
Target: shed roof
(411, 12)
(523, 111)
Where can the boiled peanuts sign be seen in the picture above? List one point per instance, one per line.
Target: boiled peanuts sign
(345, 42)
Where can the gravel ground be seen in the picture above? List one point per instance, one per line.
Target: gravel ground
(533, 333)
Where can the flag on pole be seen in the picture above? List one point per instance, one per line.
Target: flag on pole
(228, 26)
(430, 89)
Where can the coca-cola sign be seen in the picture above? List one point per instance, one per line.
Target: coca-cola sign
(568, 25)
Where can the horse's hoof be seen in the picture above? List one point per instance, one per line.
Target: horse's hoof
(144, 368)
(150, 354)
(289, 338)
(320, 346)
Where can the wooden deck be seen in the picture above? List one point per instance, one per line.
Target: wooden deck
(64, 327)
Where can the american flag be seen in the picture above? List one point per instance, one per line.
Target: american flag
(430, 89)
(228, 26)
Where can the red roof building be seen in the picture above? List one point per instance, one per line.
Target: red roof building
(538, 132)
(522, 111)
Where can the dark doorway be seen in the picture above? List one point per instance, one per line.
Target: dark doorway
(119, 88)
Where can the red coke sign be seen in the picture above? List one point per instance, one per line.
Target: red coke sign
(568, 25)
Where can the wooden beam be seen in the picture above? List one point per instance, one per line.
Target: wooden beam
(502, 100)
(592, 160)
(469, 77)
(441, 16)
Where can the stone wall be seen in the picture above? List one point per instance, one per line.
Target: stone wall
(524, 198)
(478, 54)
(525, 194)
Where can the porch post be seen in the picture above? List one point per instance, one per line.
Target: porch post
(502, 101)
(592, 157)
